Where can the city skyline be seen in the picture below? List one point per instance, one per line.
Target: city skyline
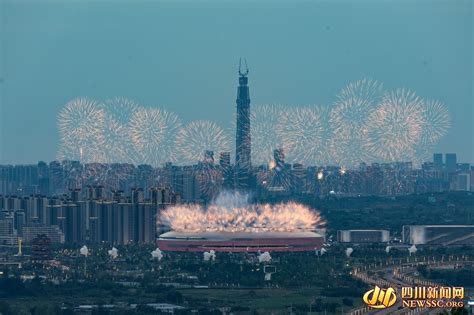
(206, 180)
(236, 157)
(367, 124)
(417, 66)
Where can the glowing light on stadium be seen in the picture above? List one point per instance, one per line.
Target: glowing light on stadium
(231, 212)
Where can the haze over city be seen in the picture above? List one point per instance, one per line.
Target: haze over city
(183, 57)
(236, 157)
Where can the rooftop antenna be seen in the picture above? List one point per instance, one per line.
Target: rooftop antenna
(243, 73)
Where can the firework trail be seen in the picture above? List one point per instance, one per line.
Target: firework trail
(80, 125)
(72, 150)
(348, 120)
(436, 122)
(199, 136)
(153, 132)
(232, 213)
(304, 132)
(395, 127)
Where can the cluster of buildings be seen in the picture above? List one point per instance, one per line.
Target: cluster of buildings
(72, 219)
(434, 235)
(68, 201)
(203, 181)
(132, 219)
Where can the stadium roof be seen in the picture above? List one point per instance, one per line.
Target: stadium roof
(222, 236)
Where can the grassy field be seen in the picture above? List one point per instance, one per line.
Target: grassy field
(264, 301)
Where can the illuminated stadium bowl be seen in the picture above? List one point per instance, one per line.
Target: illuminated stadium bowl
(297, 241)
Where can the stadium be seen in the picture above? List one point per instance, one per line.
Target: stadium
(235, 242)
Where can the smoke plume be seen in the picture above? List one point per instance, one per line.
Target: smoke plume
(210, 255)
(265, 257)
(113, 252)
(157, 254)
(349, 251)
(231, 212)
(84, 251)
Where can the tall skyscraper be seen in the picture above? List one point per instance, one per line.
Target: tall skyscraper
(451, 162)
(438, 160)
(243, 142)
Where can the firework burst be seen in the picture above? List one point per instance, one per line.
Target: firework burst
(363, 125)
(367, 90)
(117, 145)
(232, 213)
(80, 125)
(264, 120)
(152, 132)
(120, 109)
(436, 122)
(395, 127)
(199, 136)
(348, 120)
(305, 137)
